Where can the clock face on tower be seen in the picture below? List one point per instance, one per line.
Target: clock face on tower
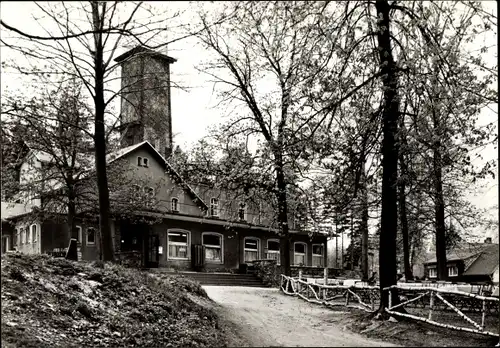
(145, 102)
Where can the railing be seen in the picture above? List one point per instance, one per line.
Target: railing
(482, 311)
(443, 306)
(353, 296)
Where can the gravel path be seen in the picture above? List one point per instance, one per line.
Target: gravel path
(266, 317)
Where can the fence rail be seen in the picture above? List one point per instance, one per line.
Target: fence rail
(480, 312)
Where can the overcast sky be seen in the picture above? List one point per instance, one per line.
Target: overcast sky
(193, 110)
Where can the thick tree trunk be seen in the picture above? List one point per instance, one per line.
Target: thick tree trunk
(403, 215)
(364, 224)
(390, 116)
(442, 270)
(285, 246)
(352, 241)
(105, 239)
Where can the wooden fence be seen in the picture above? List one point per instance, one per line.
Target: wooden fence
(444, 305)
(474, 309)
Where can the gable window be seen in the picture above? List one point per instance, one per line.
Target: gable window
(242, 211)
(213, 246)
(34, 233)
(175, 205)
(178, 244)
(452, 271)
(273, 250)
(251, 247)
(142, 162)
(433, 272)
(318, 255)
(299, 253)
(214, 207)
(79, 234)
(90, 236)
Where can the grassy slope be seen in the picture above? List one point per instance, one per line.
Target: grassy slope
(55, 302)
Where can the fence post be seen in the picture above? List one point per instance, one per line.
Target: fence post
(431, 305)
(390, 298)
(325, 277)
(298, 283)
(347, 298)
(483, 317)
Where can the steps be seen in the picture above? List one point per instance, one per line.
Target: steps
(223, 279)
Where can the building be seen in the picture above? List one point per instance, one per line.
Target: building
(469, 262)
(158, 217)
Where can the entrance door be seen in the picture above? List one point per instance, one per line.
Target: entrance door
(152, 254)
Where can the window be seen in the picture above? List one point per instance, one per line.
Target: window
(28, 235)
(242, 211)
(273, 250)
(251, 247)
(452, 271)
(318, 255)
(213, 246)
(79, 234)
(22, 235)
(142, 162)
(34, 233)
(299, 255)
(90, 236)
(432, 272)
(16, 238)
(175, 205)
(178, 243)
(149, 192)
(136, 189)
(214, 207)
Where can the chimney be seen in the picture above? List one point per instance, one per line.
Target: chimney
(488, 240)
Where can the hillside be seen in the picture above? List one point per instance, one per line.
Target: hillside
(48, 302)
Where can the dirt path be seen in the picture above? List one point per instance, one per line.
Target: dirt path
(266, 317)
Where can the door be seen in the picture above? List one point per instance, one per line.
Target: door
(152, 254)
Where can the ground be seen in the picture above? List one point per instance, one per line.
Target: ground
(267, 317)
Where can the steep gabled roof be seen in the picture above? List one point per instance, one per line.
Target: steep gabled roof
(485, 263)
(110, 158)
(143, 50)
(463, 251)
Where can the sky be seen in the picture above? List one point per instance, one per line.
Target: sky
(194, 110)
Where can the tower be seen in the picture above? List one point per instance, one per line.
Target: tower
(146, 112)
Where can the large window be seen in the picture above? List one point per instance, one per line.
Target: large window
(299, 254)
(213, 246)
(91, 236)
(452, 271)
(251, 247)
(28, 235)
(214, 207)
(433, 272)
(34, 233)
(178, 244)
(22, 235)
(273, 250)
(318, 255)
(175, 205)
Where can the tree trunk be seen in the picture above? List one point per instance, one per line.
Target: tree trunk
(364, 224)
(390, 116)
(352, 241)
(403, 216)
(442, 270)
(342, 250)
(105, 239)
(285, 246)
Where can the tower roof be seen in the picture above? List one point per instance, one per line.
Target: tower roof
(143, 50)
